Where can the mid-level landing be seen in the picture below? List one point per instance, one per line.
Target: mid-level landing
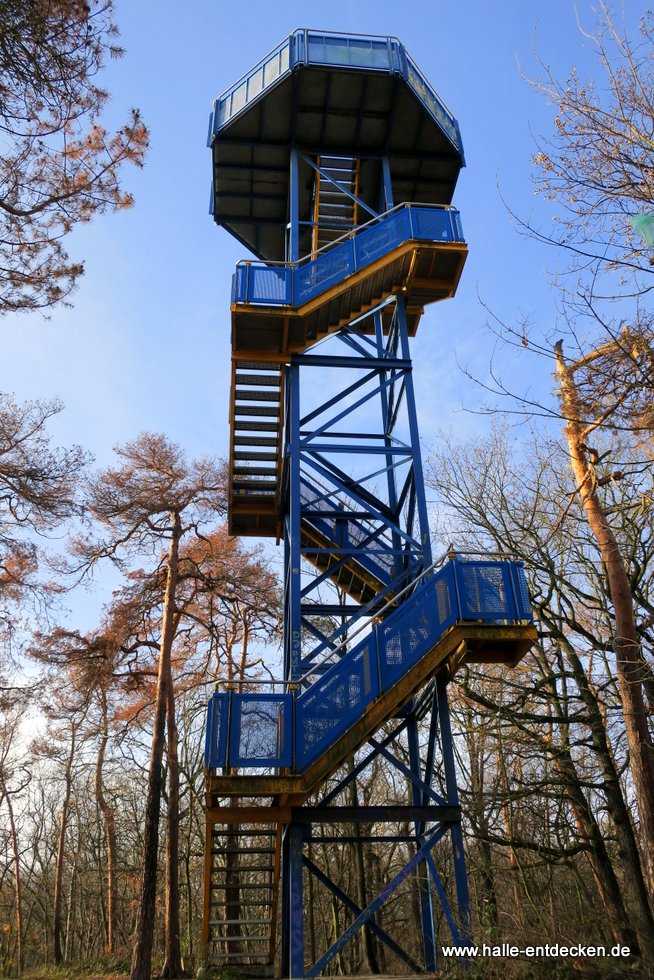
(468, 612)
(415, 251)
(464, 644)
(284, 309)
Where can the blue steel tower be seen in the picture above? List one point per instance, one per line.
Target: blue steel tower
(334, 164)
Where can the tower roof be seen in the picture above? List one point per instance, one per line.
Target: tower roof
(337, 94)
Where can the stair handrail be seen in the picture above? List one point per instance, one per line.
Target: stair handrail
(294, 685)
(312, 256)
(390, 602)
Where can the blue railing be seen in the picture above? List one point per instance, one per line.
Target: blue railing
(350, 51)
(293, 729)
(292, 284)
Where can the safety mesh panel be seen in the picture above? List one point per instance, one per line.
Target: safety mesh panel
(432, 224)
(444, 598)
(381, 238)
(483, 590)
(408, 635)
(357, 533)
(328, 268)
(269, 285)
(261, 733)
(239, 284)
(361, 536)
(215, 748)
(333, 703)
(524, 601)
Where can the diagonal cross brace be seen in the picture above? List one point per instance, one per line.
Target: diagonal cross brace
(376, 903)
(419, 784)
(372, 925)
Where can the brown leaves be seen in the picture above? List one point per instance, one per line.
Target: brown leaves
(59, 166)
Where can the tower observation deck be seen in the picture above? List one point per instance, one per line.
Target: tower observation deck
(334, 164)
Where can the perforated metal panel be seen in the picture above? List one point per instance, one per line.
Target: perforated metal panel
(269, 285)
(380, 238)
(335, 701)
(409, 634)
(432, 225)
(358, 533)
(330, 267)
(522, 592)
(215, 746)
(485, 591)
(261, 730)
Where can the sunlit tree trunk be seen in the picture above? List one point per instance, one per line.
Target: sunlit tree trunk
(173, 962)
(109, 825)
(142, 958)
(626, 642)
(18, 901)
(61, 850)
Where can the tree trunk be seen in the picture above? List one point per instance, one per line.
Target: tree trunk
(109, 826)
(142, 958)
(626, 641)
(368, 952)
(61, 847)
(18, 901)
(173, 961)
(617, 808)
(488, 905)
(601, 866)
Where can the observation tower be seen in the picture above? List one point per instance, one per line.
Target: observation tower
(334, 164)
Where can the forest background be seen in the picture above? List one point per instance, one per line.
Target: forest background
(554, 815)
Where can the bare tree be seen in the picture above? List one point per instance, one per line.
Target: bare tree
(598, 164)
(153, 498)
(37, 492)
(566, 702)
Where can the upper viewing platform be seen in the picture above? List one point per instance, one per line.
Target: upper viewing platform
(344, 95)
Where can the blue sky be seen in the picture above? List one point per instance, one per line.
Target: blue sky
(146, 344)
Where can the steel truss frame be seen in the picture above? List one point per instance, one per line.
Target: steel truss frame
(433, 815)
(378, 516)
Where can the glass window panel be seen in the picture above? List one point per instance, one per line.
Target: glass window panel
(336, 51)
(255, 84)
(238, 98)
(271, 70)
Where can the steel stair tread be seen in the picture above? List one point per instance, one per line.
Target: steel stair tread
(264, 380)
(247, 394)
(262, 410)
(254, 471)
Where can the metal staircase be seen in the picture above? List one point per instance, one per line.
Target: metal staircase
(327, 528)
(256, 442)
(335, 199)
(464, 612)
(242, 894)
